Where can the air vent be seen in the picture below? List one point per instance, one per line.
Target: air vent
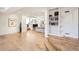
(67, 11)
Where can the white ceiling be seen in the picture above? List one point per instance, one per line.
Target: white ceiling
(24, 10)
(3, 9)
(8, 9)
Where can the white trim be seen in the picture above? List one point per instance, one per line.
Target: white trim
(64, 35)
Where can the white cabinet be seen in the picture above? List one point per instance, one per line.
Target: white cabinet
(53, 22)
(67, 24)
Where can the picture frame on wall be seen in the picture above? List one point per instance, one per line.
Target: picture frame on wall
(11, 22)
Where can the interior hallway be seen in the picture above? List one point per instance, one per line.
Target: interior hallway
(35, 41)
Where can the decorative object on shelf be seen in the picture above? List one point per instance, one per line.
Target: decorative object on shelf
(56, 13)
(11, 22)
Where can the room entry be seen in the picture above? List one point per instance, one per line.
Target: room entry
(35, 23)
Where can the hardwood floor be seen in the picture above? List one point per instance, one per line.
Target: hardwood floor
(35, 41)
(64, 43)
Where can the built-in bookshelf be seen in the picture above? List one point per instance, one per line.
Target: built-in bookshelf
(53, 18)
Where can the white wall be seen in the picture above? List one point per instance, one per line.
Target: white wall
(68, 23)
(4, 29)
(24, 26)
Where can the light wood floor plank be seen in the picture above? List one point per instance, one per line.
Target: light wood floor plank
(35, 41)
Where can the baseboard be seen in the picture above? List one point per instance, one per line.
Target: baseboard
(75, 37)
(8, 33)
(55, 34)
